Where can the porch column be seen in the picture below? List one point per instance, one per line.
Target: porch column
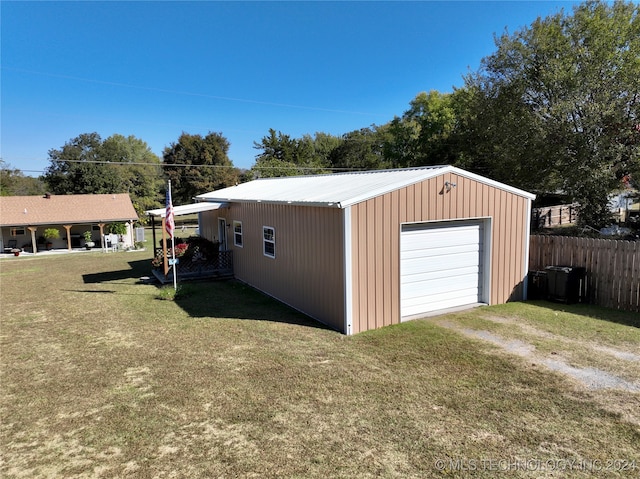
(101, 226)
(34, 243)
(68, 228)
(153, 231)
(164, 246)
(132, 238)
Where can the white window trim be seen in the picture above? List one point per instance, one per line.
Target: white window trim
(265, 241)
(241, 233)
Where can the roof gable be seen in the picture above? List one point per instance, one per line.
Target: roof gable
(339, 190)
(65, 209)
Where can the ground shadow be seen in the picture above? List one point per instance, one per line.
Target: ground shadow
(136, 270)
(213, 298)
(627, 318)
(233, 299)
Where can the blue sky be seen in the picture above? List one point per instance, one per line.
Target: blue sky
(155, 69)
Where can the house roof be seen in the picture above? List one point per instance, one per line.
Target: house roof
(186, 209)
(339, 190)
(65, 209)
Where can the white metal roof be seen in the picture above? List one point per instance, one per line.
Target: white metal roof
(338, 190)
(186, 209)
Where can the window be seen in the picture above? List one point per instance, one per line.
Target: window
(269, 241)
(17, 231)
(237, 233)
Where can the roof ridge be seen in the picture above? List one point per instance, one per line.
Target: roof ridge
(358, 172)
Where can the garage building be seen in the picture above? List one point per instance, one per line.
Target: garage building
(359, 251)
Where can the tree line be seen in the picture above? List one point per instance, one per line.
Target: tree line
(554, 109)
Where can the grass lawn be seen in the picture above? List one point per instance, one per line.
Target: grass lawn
(99, 378)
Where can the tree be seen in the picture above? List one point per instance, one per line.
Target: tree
(361, 150)
(557, 104)
(279, 156)
(197, 165)
(285, 156)
(88, 165)
(78, 168)
(138, 168)
(425, 131)
(14, 183)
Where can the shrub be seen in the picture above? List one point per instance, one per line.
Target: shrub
(51, 233)
(117, 228)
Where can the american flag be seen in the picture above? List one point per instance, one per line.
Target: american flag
(169, 223)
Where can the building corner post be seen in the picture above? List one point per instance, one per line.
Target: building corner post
(348, 273)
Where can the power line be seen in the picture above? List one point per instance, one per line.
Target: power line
(187, 93)
(163, 165)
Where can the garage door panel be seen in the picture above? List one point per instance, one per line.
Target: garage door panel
(413, 241)
(457, 274)
(439, 263)
(441, 251)
(468, 294)
(437, 286)
(437, 302)
(438, 229)
(440, 266)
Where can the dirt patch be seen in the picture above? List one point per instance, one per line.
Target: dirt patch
(606, 375)
(528, 329)
(589, 377)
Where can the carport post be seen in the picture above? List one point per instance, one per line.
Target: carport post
(34, 243)
(68, 228)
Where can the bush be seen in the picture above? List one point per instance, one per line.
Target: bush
(51, 233)
(117, 228)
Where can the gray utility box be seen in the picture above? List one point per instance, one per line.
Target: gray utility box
(566, 283)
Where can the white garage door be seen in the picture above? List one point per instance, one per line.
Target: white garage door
(440, 266)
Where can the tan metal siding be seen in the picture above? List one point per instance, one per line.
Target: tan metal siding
(307, 272)
(376, 232)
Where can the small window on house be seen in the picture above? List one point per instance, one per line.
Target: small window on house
(17, 231)
(269, 241)
(237, 233)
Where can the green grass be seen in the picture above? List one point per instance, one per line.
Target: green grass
(99, 378)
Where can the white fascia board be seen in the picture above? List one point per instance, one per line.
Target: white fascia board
(319, 204)
(490, 182)
(429, 173)
(187, 209)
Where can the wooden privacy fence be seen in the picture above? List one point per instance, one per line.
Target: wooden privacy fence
(613, 267)
(557, 215)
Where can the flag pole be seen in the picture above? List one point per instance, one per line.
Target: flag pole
(170, 228)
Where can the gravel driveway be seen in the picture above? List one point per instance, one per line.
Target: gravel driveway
(606, 373)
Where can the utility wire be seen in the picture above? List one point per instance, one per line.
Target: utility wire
(163, 165)
(187, 93)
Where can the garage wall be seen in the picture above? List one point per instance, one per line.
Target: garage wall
(375, 240)
(307, 272)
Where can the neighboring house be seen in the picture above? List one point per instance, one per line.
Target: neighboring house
(23, 219)
(625, 204)
(359, 251)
